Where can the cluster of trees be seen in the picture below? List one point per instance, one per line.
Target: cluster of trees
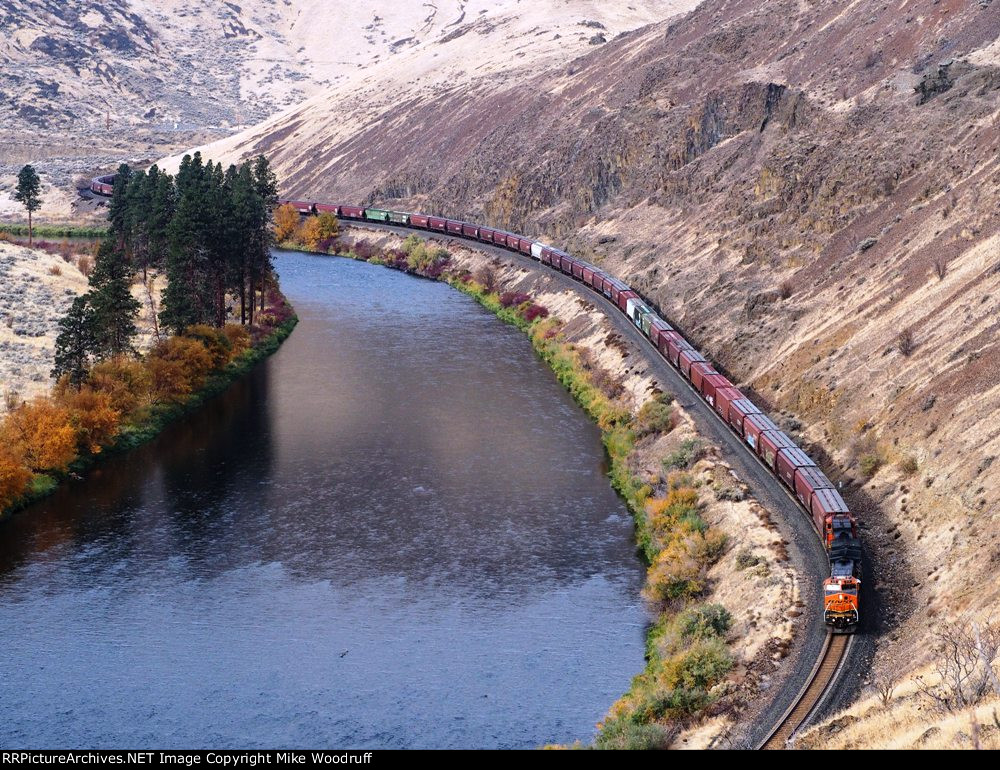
(208, 230)
(81, 417)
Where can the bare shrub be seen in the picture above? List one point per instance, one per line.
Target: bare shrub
(905, 342)
(964, 653)
(884, 686)
(85, 265)
(908, 465)
(786, 289)
(940, 268)
(486, 277)
(55, 270)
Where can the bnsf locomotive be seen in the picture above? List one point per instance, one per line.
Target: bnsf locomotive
(836, 526)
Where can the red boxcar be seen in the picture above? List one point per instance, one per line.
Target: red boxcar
(807, 481)
(588, 274)
(486, 234)
(713, 384)
(524, 246)
(687, 357)
(791, 459)
(437, 223)
(306, 207)
(725, 393)
(754, 425)
(676, 347)
(327, 208)
(418, 220)
(657, 329)
(566, 264)
(624, 295)
(770, 443)
(470, 231)
(352, 212)
(453, 227)
(700, 370)
(500, 238)
(577, 270)
(667, 339)
(739, 410)
(723, 396)
(546, 258)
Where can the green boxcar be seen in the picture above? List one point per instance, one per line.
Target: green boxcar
(377, 215)
(646, 316)
(399, 217)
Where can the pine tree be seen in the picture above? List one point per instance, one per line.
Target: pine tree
(188, 297)
(29, 194)
(115, 310)
(76, 342)
(261, 266)
(118, 208)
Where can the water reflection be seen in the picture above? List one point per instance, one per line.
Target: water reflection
(396, 532)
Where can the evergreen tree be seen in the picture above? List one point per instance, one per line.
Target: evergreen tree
(187, 298)
(115, 310)
(259, 257)
(29, 194)
(118, 208)
(136, 220)
(76, 342)
(161, 211)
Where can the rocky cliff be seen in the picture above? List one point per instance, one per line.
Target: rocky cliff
(808, 189)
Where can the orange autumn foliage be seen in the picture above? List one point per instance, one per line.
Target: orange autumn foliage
(215, 341)
(126, 381)
(238, 336)
(286, 219)
(93, 416)
(14, 477)
(42, 433)
(177, 367)
(310, 232)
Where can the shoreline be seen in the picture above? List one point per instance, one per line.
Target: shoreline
(158, 419)
(666, 516)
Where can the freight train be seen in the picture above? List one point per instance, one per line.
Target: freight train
(818, 496)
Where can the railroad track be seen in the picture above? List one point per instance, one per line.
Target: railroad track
(832, 654)
(811, 697)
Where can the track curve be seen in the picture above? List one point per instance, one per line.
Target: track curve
(805, 549)
(818, 658)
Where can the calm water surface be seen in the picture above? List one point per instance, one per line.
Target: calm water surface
(396, 532)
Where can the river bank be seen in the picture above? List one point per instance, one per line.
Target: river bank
(379, 537)
(126, 403)
(719, 575)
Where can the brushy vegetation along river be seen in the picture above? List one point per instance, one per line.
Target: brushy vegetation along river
(396, 532)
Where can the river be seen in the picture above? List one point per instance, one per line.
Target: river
(396, 532)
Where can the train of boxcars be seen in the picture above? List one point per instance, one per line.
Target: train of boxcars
(836, 525)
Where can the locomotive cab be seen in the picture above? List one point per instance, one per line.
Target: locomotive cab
(841, 597)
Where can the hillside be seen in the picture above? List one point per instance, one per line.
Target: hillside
(808, 189)
(87, 85)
